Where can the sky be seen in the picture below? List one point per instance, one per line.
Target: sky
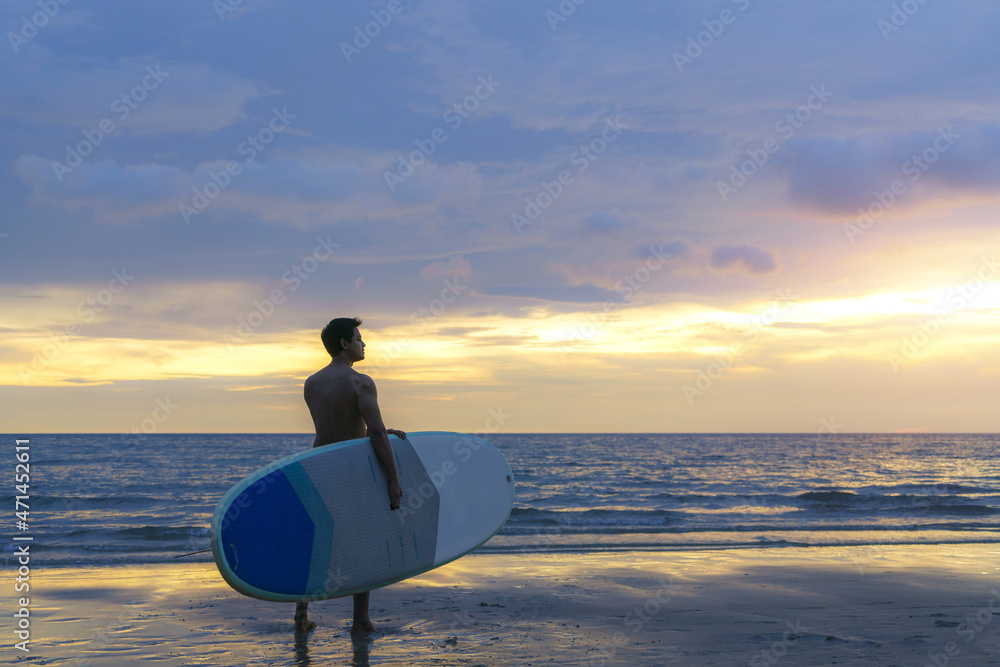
(575, 216)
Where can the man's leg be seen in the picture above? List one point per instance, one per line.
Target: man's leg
(362, 623)
(302, 622)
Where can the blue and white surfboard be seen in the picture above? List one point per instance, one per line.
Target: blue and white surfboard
(317, 524)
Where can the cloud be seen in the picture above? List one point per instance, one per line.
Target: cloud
(110, 191)
(305, 188)
(672, 249)
(606, 222)
(142, 95)
(753, 259)
(455, 267)
(585, 293)
(836, 175)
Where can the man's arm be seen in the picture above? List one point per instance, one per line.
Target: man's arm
(368, 407)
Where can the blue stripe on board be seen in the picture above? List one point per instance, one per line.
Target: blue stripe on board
(259, 535)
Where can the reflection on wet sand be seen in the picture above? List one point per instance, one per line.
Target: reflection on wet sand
(822, 605)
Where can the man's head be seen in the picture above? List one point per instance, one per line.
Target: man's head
(339, 335)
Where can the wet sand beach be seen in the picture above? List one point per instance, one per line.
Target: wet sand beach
(879, 605)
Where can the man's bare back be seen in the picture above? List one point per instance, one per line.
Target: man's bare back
(344, 406)
(332, 397)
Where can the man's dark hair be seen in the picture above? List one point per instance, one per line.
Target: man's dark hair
(342, 327)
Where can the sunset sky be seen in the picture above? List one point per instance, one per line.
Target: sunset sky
(552, 217)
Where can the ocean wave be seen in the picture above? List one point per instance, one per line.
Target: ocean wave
(538, 522)
(590, 489)
(945, 488)
(145, 533)
(929, 504)
(63, 501)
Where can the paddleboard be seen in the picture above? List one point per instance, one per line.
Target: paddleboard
(317, 524)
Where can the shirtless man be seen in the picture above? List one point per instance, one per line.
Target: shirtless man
(344, 406)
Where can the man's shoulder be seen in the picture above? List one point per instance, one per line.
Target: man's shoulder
(361, 381)
(318, 375)
(332, 377)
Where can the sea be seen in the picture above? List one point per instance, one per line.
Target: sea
(97, 499)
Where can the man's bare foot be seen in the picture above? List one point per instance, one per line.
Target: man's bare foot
(302, 622)
(362, 621)
(362, 625)
(304, 625)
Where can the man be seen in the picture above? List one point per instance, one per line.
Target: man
(344, 405)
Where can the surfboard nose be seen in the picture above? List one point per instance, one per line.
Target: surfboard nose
(267, 525)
